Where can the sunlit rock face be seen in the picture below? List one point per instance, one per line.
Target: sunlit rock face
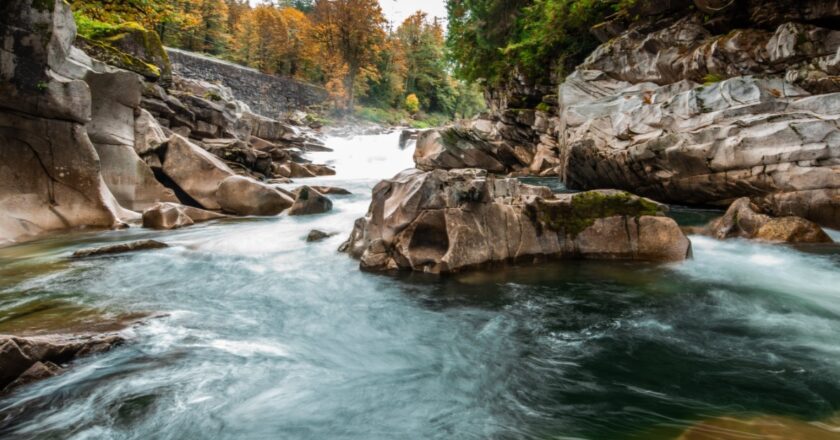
(683, 114)
(447, 221)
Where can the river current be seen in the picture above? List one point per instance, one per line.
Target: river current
(260, 335)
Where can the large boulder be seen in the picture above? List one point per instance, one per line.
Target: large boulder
(308, 201)
(459, 146)
(745, 219)
(447, 221)
(245, 196)
(174, 216)
(195, 171)
(682, 114)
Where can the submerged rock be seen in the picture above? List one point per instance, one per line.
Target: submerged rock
(244, 196)
(309, 201)
(174, 215)
(316, 235)
(121, 248)
(447, 221)
(745, 219)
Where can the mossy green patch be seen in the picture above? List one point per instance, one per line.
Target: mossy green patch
(543, 107)
(712, 78)
(573, 218)
(127, 45)
(43, 5)
(110, 55)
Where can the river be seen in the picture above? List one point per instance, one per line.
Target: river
(264, 336)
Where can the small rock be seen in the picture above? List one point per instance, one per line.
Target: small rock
(121, 248)
(316, 235)
(334, 190)
(309, 201)
(173, 215)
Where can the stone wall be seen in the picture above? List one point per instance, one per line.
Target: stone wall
(265, 94)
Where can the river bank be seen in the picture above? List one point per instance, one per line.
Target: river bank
(265, 333)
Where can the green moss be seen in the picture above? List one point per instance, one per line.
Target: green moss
(712, 78)
(42, 86)
(543, 107)
(128, 45)
(573, 218)
(213, 96)
(43, 5)
(110, 55)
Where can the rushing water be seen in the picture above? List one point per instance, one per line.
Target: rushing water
(264, 336)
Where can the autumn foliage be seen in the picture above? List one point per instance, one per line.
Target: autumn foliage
(347, 46)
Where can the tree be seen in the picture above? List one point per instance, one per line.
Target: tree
(491, 39)
(412, 104)
(421, 43)
(350, 33)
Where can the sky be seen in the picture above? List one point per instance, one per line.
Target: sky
(398, 10)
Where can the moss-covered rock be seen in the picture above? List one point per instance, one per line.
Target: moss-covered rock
(573, 216)
(449, 221)
(129, 46)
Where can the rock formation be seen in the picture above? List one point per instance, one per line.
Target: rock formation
(640, 118)
(745, 219)
(93, 137)
(446, 221)
(49, 169)
(25, 360)
(682, 106)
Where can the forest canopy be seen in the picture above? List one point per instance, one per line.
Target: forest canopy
(347, 46)
(491, 39)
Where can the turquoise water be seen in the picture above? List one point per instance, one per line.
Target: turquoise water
(265, 336)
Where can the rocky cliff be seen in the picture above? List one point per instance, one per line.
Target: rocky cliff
(695, 103)
(95, 131)
(49, 169)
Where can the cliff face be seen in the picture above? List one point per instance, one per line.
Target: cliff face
(697, 103)
(686, 109)
(49, 169)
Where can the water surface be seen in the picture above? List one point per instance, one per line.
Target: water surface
(266, 336)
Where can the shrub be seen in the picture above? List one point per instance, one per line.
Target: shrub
(412, 104)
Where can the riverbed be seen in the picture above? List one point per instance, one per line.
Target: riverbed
(260, 335)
